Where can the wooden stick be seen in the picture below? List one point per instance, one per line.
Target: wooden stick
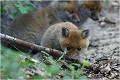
(31, 46)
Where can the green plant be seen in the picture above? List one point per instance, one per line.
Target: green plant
(86, 63)
(76, 74)
(17, 7)
(13, 61)
(24, 7)
(10, 63)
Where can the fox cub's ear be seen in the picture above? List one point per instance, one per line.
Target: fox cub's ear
(65, 32)
(85, 33)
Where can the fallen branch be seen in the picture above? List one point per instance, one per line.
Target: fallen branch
(31, 46)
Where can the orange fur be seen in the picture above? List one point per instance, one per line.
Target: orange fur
(94, 4)
(72, 9)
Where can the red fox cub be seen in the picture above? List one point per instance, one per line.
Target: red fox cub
(31, 27)
(66, 37)
(89, 9)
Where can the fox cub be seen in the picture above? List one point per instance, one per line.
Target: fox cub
(31, 27)
(89, 9)
(66, 37)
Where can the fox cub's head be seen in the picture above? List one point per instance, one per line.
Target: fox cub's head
(68, 10)
(71, 9)
(74, 42)
(91, 8)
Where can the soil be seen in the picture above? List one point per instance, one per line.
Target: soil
(104, 48)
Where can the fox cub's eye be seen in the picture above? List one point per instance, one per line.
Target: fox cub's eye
(68, 48)
(78, 48)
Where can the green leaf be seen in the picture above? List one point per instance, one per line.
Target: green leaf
(29, 8)
(75, 64)
(14, 14)
(24, 8)
(86, 63)
(52, 69)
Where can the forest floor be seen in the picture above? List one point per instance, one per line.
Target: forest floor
(104, 46)
(104, 49)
